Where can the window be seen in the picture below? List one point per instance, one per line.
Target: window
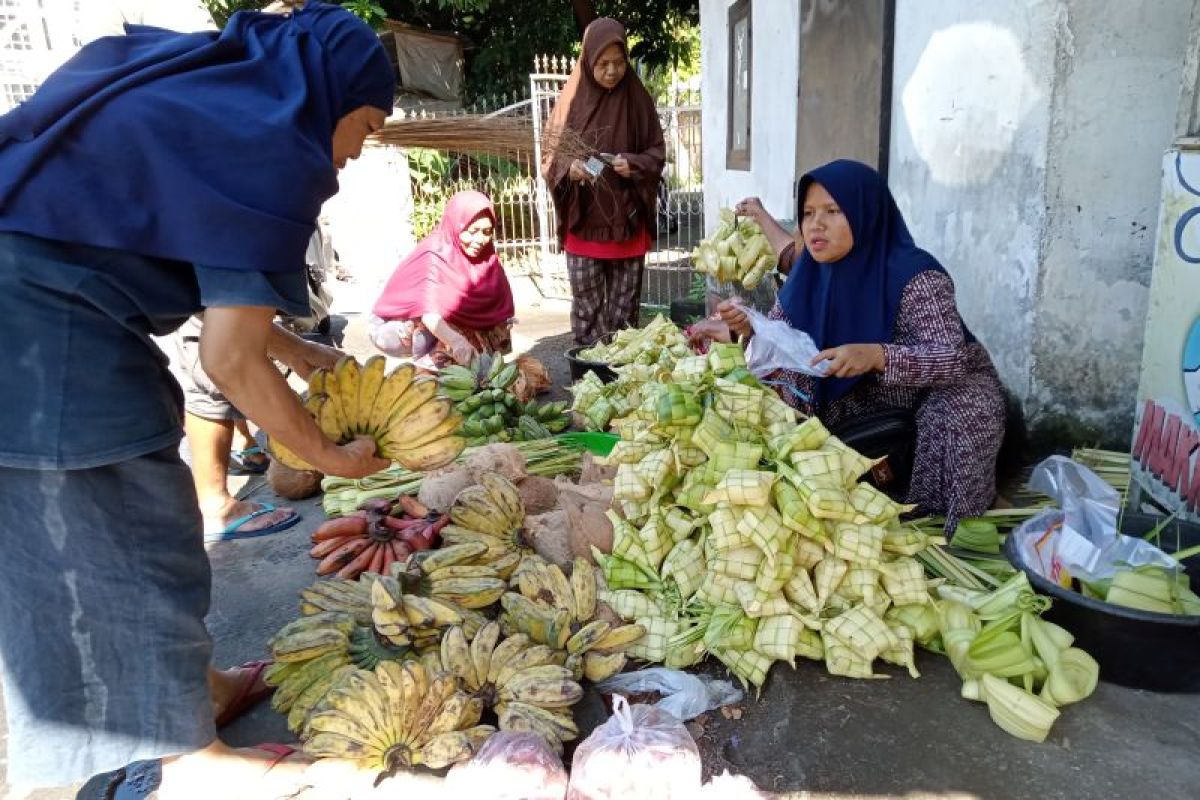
(737, 155)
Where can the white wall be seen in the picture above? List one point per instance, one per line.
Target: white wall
(1025, 154)
(775, 29)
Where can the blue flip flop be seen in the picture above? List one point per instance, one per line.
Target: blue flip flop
(231, 530)
(239, 463)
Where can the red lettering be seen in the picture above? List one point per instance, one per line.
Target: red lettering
(1192, 498)
(1149, 433)
(1160, 459)
(1178, 479)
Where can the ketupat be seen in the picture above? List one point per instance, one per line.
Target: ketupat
(737, 250)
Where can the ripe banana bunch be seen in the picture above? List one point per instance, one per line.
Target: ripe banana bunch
(408, 610)
(490, 513)
(401, 411)
(398, 716)
(560, 612)
(526, 683)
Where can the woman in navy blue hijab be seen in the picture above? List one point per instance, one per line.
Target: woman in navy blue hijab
(154, 176)
(882, 312)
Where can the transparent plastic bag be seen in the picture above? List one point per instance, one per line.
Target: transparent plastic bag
(687, 696)
(511, 765)
(640, 752)
(777, 345)
(1081, 535)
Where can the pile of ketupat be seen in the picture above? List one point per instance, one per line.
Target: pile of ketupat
(658, 343)
(738, 251)
(742, 534)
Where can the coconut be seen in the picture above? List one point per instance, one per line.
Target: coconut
(549, 536)
(440, 487)
(293, 484)
(502, 458)
(538, 494)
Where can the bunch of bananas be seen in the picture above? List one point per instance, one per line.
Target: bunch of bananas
(490, 513)
(398, 716)
(493, 414)
(524, 682)
(559, 612)
(401, 411)
(411, 606)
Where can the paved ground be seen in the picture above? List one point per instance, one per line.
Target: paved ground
(808, 735)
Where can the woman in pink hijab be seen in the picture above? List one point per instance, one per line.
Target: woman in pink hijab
(449, 299)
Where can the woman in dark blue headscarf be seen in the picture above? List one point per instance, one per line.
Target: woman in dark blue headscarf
(154, 176)
(882, 313)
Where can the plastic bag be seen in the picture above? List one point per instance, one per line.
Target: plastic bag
(640, 752)
(511, 765)
(731, 787)
(687, 696)
(1081, 535)
(777, 345)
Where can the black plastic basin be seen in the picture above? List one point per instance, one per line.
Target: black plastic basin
(580, 367)
(1141, 649)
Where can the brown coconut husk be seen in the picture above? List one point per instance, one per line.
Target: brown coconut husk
(503, 458)
(548, 535)
(532, 378)
(293, 484)
(538, 494)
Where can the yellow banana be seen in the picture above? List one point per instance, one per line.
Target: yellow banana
(395, 385)
(456, 656)
(547, 685)
(514, 718)
(482, 647)
(417, 612)
(369, 383)
(430, 456)
(537, 656)
(583, 589)
(574, 662)
(346, 377)
(286, 456)
(441, 687)
(471, 714)
(334, 745)
(505, 651)
(342, 724)
(494, 548)
(446, 749)
(419, 392)
(469, 592)
(619, 638)
(435, 420)
(445, 613)
(559, 586)
(432, 661)
(308, 644)
(449, 714)
(558, 720)
(386, 594)
(599, 666)
(308, 672)
(586, 637)
(414, 687)
(507, 564)
(504, 494)
(450, 555)
(318, 381)
(478, 735)
(463, 571)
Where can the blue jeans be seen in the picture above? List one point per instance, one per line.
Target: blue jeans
(103, 591)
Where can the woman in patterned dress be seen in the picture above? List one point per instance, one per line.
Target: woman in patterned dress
(883, 312)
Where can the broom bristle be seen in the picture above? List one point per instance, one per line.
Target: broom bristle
(478, 133)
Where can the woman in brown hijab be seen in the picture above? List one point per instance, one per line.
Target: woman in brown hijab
(606, 223)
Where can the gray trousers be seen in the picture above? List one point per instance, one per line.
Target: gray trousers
(104, 585)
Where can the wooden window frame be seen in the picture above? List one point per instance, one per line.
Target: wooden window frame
(740, 159)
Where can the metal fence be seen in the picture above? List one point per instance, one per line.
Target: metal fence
(526, 237)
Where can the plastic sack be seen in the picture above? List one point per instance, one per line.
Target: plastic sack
(777, 345)
(731, 787)
(640, 752)
(1081, 535)
(687, 696)
(511, 765)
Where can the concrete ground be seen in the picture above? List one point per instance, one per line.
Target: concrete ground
(808, 735)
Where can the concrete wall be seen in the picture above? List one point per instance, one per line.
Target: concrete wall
(1025, 152)
(775, 26)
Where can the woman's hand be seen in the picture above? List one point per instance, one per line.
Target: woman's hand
(462, 351)
(735, 318)
(852, 360)
(750, 207)
(578, 172)
(707, 331)
(622, 167)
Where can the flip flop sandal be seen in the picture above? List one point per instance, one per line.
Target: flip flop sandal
(231, 531)
(240, 464)
(141, 779)
(249, 695)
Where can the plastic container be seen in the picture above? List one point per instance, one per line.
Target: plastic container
(598, 444)
(580, 367)
(1140, 649)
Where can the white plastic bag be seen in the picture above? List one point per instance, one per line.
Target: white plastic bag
(777, 345)
(1081, 535)
(640, 752)
(687, 696)
(511, 765)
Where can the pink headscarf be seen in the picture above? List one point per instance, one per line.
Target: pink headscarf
(437, 277)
